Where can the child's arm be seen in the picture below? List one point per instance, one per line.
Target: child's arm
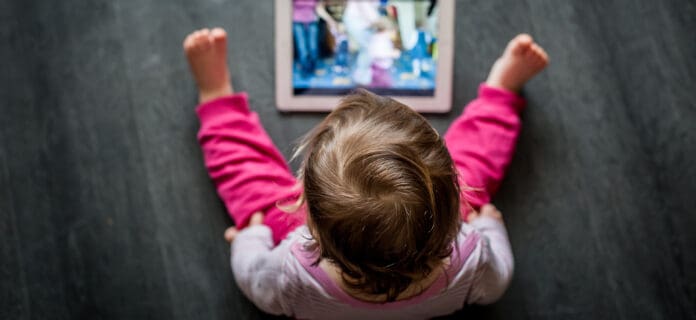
(258, 268)
(249, 172)
(482, 142)
(496, 263)
(321, 12)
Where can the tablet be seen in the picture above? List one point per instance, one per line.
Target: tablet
(399, 48)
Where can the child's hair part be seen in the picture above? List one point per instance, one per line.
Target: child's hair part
(381, 192)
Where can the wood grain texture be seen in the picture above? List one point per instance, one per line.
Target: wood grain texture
(106, 210)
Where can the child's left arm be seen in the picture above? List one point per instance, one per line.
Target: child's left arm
(496, 263)
(249, 172)
(258, 267)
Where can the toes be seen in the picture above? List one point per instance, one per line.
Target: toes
(524, 39)
(192, 42)
(537, 50)
(520, 43)
(203, 39)
(538, 55)
(219, 39)
(201, 34)
(544, 55)
(188, 42)
(543, 59)
(205, 43)
(218, 34)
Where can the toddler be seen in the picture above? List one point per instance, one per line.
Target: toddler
(378, 229)
(382, 53)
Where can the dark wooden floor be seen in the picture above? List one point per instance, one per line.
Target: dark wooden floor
(106, 210)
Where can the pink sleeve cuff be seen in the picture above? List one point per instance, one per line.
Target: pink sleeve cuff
(504, 97)
(211, 110)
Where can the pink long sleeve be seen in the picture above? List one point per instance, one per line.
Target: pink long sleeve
(482, 142)
(248, 170)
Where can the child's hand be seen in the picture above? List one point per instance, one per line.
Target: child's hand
(231, 232)
(487, 210)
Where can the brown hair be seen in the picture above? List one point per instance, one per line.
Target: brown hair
(382, 194)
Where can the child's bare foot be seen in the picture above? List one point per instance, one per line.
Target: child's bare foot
(206, 51)
(521, 60)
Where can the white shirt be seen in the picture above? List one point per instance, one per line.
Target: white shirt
(281, 280)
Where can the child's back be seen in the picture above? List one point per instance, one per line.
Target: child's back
(284, 279)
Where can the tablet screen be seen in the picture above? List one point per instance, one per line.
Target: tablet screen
(389, 47)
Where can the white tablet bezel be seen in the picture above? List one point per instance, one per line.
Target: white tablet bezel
(286, 101)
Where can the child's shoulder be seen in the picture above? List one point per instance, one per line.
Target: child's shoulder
(466, 248)
(300, 256)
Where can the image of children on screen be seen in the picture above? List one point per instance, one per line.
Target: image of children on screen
(388, 46)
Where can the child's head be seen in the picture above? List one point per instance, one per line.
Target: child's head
(381, 191)
(383, 24)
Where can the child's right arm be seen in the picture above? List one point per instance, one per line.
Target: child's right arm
(482, 142)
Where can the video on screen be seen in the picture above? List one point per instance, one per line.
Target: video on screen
(389, 47)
